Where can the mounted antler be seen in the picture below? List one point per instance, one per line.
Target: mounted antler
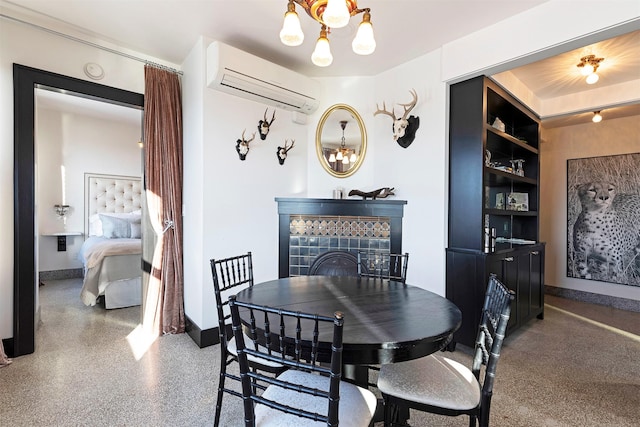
(242, 145)
(264, 125)
(408, 107)
(282, 151)
(384, 111)
(404, 128)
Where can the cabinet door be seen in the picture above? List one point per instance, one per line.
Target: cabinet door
(537, 280)
(505, 267)
(523, 299)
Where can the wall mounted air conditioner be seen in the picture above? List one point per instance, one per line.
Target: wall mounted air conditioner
(239, 73)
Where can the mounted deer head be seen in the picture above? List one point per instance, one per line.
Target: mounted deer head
(282, 151)
(242, 145)
(264, 125)
(405, 127)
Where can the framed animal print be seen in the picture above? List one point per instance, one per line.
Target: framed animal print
(603, 219)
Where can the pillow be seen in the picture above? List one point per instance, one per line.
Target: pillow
(136, 229)
(115, 228)
(95, 222)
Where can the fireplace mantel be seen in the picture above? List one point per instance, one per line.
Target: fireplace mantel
(368, 213)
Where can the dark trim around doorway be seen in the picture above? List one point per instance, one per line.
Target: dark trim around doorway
(25, 80)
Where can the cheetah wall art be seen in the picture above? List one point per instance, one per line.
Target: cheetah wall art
(603, 219)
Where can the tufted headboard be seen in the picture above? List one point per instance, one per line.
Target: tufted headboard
(109, 194)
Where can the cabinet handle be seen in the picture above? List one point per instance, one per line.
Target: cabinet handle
(508, 259)
(535, 252)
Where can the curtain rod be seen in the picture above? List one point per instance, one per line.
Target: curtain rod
(97, 46)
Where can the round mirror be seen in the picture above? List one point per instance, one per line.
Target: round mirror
(341, 140)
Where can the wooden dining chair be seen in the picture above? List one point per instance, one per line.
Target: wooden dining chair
(229, 275)
(383, 265)
(308, 392)
(439, 385)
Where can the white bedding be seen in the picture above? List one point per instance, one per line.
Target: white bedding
(111, 263)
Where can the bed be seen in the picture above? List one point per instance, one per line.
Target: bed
(112, 252)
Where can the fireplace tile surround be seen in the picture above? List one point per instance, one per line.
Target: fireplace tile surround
(310, 227)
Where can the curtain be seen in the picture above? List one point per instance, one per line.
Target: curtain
(164, 304)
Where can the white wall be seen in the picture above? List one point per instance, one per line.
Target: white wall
(80, 144)
(609, 137)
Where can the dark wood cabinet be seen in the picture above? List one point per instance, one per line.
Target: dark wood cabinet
(493, 203)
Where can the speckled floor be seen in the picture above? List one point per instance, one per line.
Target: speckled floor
(574, 368)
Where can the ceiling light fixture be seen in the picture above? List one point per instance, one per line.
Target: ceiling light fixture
(343, 154)
(597, 117)
(330, 14)
(588, 66)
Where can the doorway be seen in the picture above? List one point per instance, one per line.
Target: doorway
(26, 79)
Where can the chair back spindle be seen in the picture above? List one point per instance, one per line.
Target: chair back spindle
(383, 265)
(297, 348)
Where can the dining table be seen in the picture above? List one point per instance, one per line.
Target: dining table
(385, 321)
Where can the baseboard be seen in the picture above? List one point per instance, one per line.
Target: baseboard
(202, 338)
(593, 298)
(73, 273)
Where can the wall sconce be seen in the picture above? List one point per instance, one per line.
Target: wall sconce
(588, 66)
(330, 14)
(61, 210)
(597, 117)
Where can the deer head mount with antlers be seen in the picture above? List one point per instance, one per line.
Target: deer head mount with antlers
(405, 127)
(264, 125)
(242, 145)
(282, 151)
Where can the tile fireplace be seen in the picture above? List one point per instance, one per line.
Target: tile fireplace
(311, 227)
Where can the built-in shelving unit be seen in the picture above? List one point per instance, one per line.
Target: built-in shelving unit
(493, 202)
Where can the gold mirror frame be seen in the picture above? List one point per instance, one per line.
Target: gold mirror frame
(343, 112)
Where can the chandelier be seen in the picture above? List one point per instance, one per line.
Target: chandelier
(588, 66)
(330, 14)
(343, 154)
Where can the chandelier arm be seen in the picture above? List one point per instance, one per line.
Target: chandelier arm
(355, 12)
(303, 4)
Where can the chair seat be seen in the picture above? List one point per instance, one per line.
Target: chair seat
(433, 380)
(232, 348)
(356, 409)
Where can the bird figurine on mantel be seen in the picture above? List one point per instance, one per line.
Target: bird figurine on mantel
(380, 193)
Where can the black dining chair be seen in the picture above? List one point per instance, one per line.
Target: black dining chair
(307, 391)
(439, 385)
(383, 265)
(229, 274)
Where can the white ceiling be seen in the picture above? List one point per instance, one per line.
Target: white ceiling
(405, 29)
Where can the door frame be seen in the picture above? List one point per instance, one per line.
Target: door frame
(25, 80)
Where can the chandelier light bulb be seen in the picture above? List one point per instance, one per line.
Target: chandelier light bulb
(321, 56)
(336, 14)
(364, 43)
(339, 156)
(592, 78)
(353, 158)
(332, 158)
(291, 33)
(586, 69)
(345, 160)
(597, 117)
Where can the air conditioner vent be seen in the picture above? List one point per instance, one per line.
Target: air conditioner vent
(239, 73)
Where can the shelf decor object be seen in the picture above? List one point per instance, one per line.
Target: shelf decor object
(493, 203)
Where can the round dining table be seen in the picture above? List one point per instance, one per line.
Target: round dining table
(384, 321)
